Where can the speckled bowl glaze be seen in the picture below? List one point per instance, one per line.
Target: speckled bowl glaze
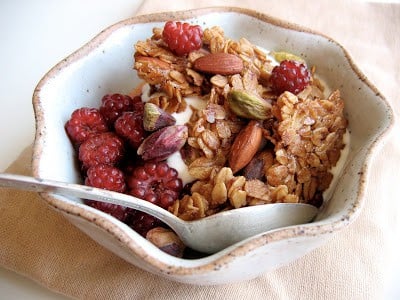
(104, 65)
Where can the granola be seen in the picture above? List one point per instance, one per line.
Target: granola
(302, 134)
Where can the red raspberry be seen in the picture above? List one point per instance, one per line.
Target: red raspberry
(84, 123)
(106, 177)
(117, 211)
(130, 126)
(291, 76)
(113, 105)
(182, 38)
(156, 183)
(105, 148)
(142, 222)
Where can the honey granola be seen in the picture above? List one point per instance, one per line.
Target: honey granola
(302, 134)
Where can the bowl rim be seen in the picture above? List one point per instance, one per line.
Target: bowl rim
(225, 256)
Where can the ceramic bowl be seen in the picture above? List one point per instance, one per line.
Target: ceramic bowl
(104, 65)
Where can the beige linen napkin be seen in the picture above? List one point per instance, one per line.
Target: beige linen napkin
(39, 243)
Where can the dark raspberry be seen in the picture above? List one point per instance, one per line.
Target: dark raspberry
(106, 177)
(129, 126)
(142, 222)
(113, 105)
(105, 148)
(84, 123)
(182, 38)
(117, 211)
(291, 76)
(156, 183)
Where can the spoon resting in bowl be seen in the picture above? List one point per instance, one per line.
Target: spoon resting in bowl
(208, 235)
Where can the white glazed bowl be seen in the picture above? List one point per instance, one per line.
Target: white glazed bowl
(104, 65)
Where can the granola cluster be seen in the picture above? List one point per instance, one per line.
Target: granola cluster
(173, 77)
(301, 136)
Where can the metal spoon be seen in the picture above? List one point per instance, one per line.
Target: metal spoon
(208, 235)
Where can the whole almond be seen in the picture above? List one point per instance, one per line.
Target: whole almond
(245, 146)
(219, 63)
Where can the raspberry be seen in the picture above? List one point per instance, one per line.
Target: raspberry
(291, 76)
(182, 38)
(117, 211)
(156, 183)
(130, 126)
(106, 177)
(113, 105)
(142, 222)
(84, 123)
(105, 148)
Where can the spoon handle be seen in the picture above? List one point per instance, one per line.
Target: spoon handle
(28, 183)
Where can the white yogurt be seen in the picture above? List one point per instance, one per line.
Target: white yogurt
(175, 161)
(146, 93)
(337, 169)
(183, 117)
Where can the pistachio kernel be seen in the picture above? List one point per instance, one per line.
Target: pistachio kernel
(155, 118)
(248, 105)
(283, 55)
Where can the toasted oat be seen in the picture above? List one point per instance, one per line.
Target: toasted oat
(311, 138)
(302, 140)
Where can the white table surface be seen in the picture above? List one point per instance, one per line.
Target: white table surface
(35, 36)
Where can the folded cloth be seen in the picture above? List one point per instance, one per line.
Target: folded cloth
(39, 243)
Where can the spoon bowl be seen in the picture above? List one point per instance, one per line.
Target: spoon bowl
(208, 235)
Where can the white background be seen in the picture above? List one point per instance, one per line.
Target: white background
(35, 35)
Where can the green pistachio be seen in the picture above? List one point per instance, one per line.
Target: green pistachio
(248, 105)
(282, 55)
(155, 118)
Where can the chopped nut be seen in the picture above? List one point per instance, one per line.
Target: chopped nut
(257, 189)
(219, 193)
(196, 77)
(235, 184)
(166, 240)
(190, 207)
(238, 198)
(219, 81)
